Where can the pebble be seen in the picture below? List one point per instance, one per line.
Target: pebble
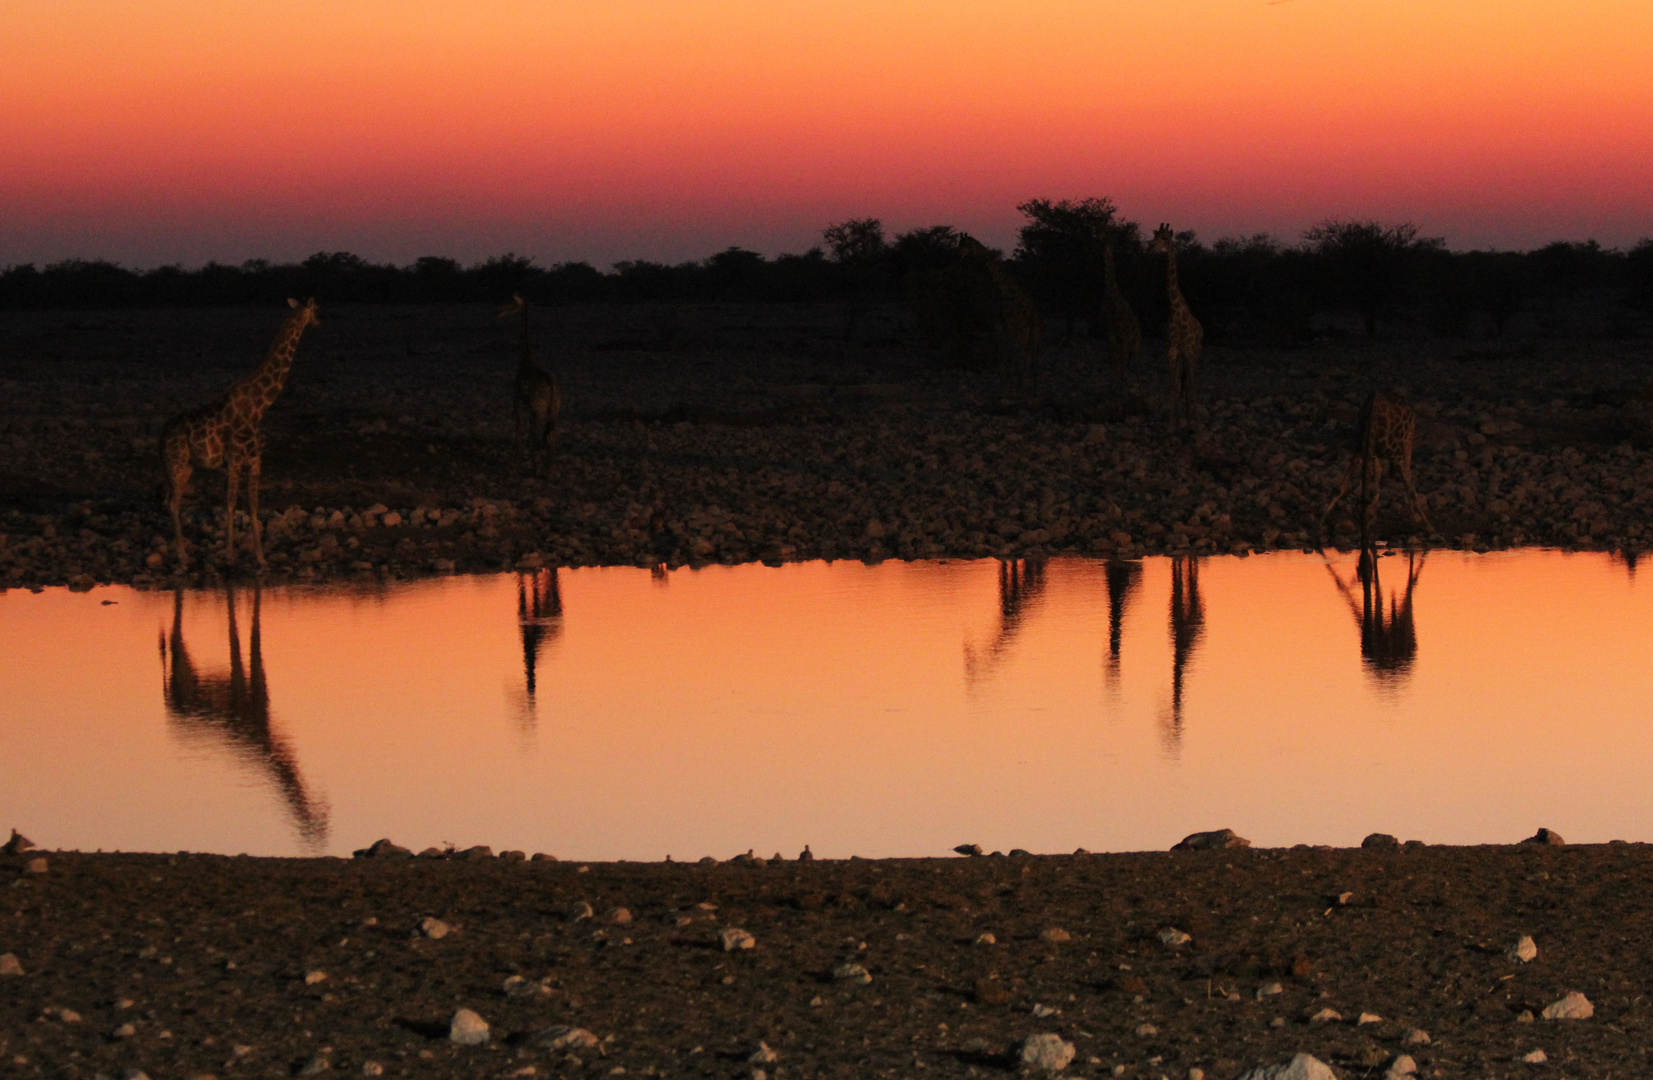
(1300, 1067)
(372, 1068)
(1211, 841)
(1575, 1006)
(986, 939)
(1055, 934)
(1172, 938)
(854, 973)
(311, 978)
(1368, 1018)
(434, 928)
(383, 849)
(1146, 1031)
(9, 964)
(1402, 1066)
(1326, 1016)
(1546, 838)
(619, 916)
(763, 1055)
(1380, 840)
(134, 1074)
(1196, 1073)
(125, 1031)
(1269, 990)
(68, 1016)
(1524, 950)
(580, 910)
(1047, 1051)
(1415, 1037)
(518, 986)
(468, 1029)
(735, 938)
(1043, 1012)
(563, 1037)
(1535, 1057)
(317, 1064)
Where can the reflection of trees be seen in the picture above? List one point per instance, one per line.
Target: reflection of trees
(1388, 637)
(234, 710)
(1123, 579)
(1021, 585)
(1187, 628)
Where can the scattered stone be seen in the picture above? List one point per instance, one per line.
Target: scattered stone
(1368, 1018)
(962, 849)
(763, 1055)
(1526, 1017)
(986, 939)
(1211, 841)
(1535, 1057)
(1147, 1031)
(9, 964)
(513, 856)
(854, 973)
(991, 992)
(1415, 1037)
(580, 910)
(1326, 1016)
(1301, 1067)
(1380, 840)
(735, 938)
(134, 1074)
(540, 856)
(383, 849)
(125, 1031)
(1402, 1066)
(518, 986)
(619, 916)
(1047, 1051)
(1172, 938)
(563, 1037)
(1524, 950)
(1575, 1006)
(1343, 899)
(434, 928)
(16, 845)
(1055, 934)
(1017, 852)
(372, 1068)
(480, 851)
(68, 1016)
(1269, 990)
(311, 978)
(468, 1029)
(434, 853)
(1546, 838)
(317, 1064)
(35, 866)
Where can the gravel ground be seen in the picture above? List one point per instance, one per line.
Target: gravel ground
(185, 965)
(733, 433)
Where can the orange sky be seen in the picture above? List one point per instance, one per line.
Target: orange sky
(192, 129)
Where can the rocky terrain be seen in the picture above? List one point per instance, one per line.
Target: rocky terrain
(1453, 962)
(729, 433)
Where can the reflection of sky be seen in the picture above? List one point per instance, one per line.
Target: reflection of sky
(183, 130)
(767, 708)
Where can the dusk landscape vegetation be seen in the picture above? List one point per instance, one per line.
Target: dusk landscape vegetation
(592, 430)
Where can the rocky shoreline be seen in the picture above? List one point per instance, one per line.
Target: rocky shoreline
(1209, 961)
(391, 451)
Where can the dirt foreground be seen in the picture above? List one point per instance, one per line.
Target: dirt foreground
(184, 965)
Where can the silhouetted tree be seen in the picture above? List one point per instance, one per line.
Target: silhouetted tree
(1060, 251)
(1365, 264)
(1639, 268)
(860, 259)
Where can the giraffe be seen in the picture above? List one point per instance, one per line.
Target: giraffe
(1124, 332)
(1183, 334)
(235, 709)
(227, 434)
(1021, 588)
(1387, 428)
(536, 396)
(1014, 328)
(1388, 640)
(1187, 628)
(1122, 577)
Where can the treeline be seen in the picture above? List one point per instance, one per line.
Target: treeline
(1376, 277)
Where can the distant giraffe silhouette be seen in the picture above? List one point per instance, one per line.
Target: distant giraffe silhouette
(1021, 585)
(1183, 335)
(234, 709)
(539, 615)
(228, 434)
(1388, 637)
(536, 397)
(1015, 327)
(1387, 429)
(1124, 332)
(1187, 629)
(1123, 578)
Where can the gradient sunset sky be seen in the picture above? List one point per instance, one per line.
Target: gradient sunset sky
(599, 130)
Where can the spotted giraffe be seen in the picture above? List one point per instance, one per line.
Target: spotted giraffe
(1015, 329)
(1183, 334)
(535, 394)
(227, 434)
(1124, 332)
(1387, 429)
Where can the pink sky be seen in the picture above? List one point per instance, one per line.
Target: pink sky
(186, 130)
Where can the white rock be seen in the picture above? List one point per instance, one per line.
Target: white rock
(1326, 1016)
(1524, 950)
(1402, 1066)
(468, 1029)
(1536, 1057)
(563, 1037)
(435, 929)
(1046, 1051)
(1575, 1006)
(1269, 990)
(1416, 1037)
(1301, 1067)
(854, 973)
(1173, 938)
(735, 938)
(763, 1055)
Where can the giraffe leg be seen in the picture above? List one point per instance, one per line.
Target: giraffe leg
(254, 467)
(232, 470)
(1371, 479)
(177, 475)
(1412, 494)
(1342, 490)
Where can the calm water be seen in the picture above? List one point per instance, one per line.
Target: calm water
(896, 709)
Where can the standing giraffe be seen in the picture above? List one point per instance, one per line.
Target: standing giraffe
(227, 434)
(1014, 328)
(536, 396)
(1124, 332)
(1183, 335)
(1387, 428)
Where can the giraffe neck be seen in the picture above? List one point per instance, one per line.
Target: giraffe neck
(526, 360)
(265, 384)
(1171, 276)
(1109, 277)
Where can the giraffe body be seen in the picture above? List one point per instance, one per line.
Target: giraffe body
(1015, 328)
(1387, 430)
(227, 434)
(536, 398)
(1184, 337)
(1124, 332)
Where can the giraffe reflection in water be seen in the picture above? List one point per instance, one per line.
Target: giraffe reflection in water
(1021, 587)
(233, 710)
(1123, 579)
(539, 616)
(1187, 630)
(1388, 637)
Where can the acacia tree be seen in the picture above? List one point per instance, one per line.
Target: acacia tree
(860, 256)
(1367, 265)
(1060, 249)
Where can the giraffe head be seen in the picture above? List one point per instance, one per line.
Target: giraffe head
(304, 313)
(1164, 239)
(517, 306)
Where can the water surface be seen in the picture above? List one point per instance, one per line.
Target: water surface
(895, 709)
